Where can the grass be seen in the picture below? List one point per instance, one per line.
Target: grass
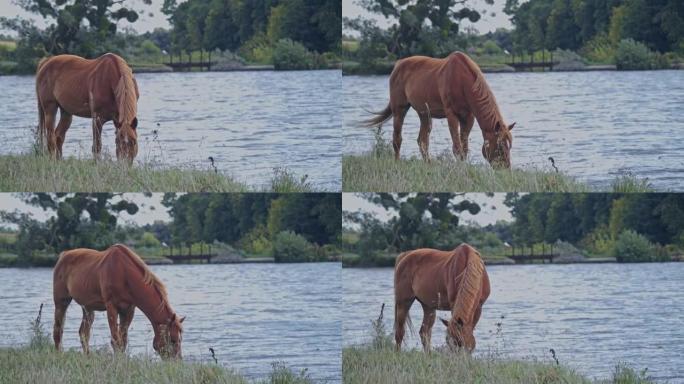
(378, 362)
(377, 170)
(39, 362)
(38, 173)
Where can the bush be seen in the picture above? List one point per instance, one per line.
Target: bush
(632, 247)
(490, 47)
(289, 247)
(633, 55)
(149, 240)
(599, 49)
(288, 54)
(256, 241)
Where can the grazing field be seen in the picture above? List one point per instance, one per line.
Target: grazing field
(37, 173)
(379, 171)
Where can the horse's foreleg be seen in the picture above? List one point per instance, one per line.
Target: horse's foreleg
(61, 306)
(398, 122)
(84, 330)
(60, 134)
(456, 148)
(97, 136)
(125, 319)
(466, 125)
(112, 314)
(429, 315)
(424, 135)
(401, 314)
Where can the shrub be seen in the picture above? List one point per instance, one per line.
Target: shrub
(632, 247)
(289, 247)
(149, 240)
(599, 49)
(633, 55)
(288, 54)
(256, 241)
(258, 49)
(490, 47)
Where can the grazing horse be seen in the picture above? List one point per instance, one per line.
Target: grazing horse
(117, 281)
(453, 88)
(453, 281)
(102, 89)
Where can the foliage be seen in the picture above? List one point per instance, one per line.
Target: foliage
(149, 240)
(632, 247)
(288, 54)
(289, 247)
(632, 55)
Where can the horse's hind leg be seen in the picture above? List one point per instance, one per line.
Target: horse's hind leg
(50, 113)
(399, 114)
(61, 305)
(125, 319)
(84, 330)
(467, 123)
(429, 315)
(62, 127)
(424, 135)
(401, 315)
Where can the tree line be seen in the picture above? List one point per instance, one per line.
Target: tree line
(291, 227)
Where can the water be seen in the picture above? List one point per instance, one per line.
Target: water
(251, 314)
(596, 125)
(250, 122)
(594, 316)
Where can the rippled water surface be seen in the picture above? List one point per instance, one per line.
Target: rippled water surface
(250, 122)
(593, 316)
(596, 125)
(251, 314)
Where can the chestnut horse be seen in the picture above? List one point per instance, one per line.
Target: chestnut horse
(453, 281)
(453, 88)
(102, 89)
(117, 281)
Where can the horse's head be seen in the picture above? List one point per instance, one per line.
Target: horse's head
(126, 139)
(497, 145)
(168, 337)
(459, 335)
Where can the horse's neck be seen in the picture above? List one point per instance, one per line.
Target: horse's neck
(149, 301)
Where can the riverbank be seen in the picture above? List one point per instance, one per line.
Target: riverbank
(37, 173)
(42, 364)
(379, 171)
(384, 365)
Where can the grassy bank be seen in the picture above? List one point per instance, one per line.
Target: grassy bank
(370, 172)
(31, 173)
(384, 365)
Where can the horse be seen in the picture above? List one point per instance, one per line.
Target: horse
(453, 88)
(455, 280)
(116, 281)
(102, 89)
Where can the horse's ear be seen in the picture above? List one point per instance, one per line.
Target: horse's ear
(497, 127)
(511, 126)
(446, 323)
(182, 319)
(459, 321)
(134, 123)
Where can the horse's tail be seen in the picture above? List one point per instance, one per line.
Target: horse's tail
(468, 293)
(125, 92)
(379, 119)
(41, 133)
(408, 323)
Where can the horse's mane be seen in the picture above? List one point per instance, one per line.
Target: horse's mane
(484, 99)
(125, 92)
(149, 278)
(471, 284)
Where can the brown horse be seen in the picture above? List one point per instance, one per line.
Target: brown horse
(117, 281)
(453, 281)
(453, 88)
(102, 89)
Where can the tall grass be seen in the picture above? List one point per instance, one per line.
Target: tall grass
(40, 363)
(40, 173)
(378, 362)
(377, 170)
